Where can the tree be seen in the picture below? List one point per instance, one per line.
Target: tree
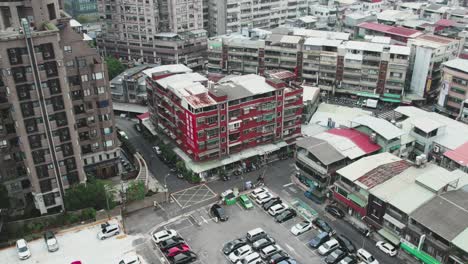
(92, 194)
(114, 67)
(4, 199)
(136, 191)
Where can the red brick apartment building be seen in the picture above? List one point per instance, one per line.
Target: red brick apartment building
(210, 120)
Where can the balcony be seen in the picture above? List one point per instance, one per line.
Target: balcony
(310, 163)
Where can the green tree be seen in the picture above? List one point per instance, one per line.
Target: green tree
(4, 199)
(136, 191)
(114, 67)
(92, 194)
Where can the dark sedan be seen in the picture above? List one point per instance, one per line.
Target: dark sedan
(183, 258)
(170, 243)
(278, 257)
(233, 245)
(324, 226)
(346, 243)
(336, 255)
(272, 202)
(335, 211)
(286, 215)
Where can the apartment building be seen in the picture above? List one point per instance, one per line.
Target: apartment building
(230, 16)
(454, 87)
(57, 123)
(428, 52)
(213, 120)
(164, 32)
(130, 85)
(84, 10)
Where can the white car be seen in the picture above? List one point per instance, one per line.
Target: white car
(109, 231)
(301, 228)
(130, 259)
(387, 248)
(240, 253)
(328, 247)
(157, 150)
(23, 249)
(161, 236)
(277, 209)
(263, 198)
(365, 256)
(268, 251)
(255, 193)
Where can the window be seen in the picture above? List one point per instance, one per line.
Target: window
(108, 143)
(98, 76)
(107, 130)
(101, 89)
(67, 49)
(70, 64)
(222, 118)
(103, 103)
(84, 78)
(87, 92)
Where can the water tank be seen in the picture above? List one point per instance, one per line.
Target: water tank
(418, 161)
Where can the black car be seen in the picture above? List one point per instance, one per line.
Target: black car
(318, 240)
(349, 260)
(171, 242)
(346, 243)
(233, 245)
(336, 255)
(273, 201)
(285, 215)
(278, 257)
(262, 243)
(218, 212)
(324, 226)
(335, 211)
(184, 257)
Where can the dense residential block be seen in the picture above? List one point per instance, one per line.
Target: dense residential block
(454, 88)
(56, 111)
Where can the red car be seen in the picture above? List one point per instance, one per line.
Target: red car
(177, 249)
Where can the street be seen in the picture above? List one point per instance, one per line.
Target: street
(277, 178)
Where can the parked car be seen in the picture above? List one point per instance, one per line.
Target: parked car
(233, 245)
(273, 201)
(288, 261)
(263, 198)
(252, 258)
(270, 250)
(346, 243)
(51, 241)
(170, 243)
(245, 201)
(365, 256)
(349, 260)
(157, 150)
(301, 228)
(219, 212)
(122, 134)
(387, 248)
(277, 209)
(286, 215)
(177, 250)
(335, 211)
(256, 192)
(108, 231)
(160, 236)
(335, 256)
(264, 242)
(328, 247)
(322, 225)
(255, 234)
(183, 258)
(278, 257)
(130, 259)
(23, 249)
(240, 253)
(318, 240)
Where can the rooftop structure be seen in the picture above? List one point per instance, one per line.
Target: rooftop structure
(130, 85)
(362, 167)
(399, 35)
(379, 126)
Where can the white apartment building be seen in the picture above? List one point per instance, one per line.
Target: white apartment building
(428, 52)
(231, 15)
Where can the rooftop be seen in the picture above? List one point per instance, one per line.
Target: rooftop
(394, 30)
(461, 241)
(167, 69)
(236, 87)
(359, 168)
(432, 41)
(379, 126)
(322, 42)
(426, 124)
(457, 64)
(320, 34)
(381, 174)
(321, 149)
(350, 142)
(438, 178)
(459, 154)
(341, 115)
(446, 214)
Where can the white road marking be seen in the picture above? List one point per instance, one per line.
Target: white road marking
(288, 184)
(204, 220)
(289, 247)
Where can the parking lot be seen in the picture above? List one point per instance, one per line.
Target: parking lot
(206, 236)
(193, 195)
(77, 244)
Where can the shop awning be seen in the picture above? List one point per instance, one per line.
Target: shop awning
(390, 100)
(357, 200)
(389, 95)
(387, 234)
(367, 94)
(421, 255)
(394, 221)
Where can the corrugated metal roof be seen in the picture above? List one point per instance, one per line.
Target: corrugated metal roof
(403, 50)
(461, 241)
(321, 149)
(379, 126)
(437, 178)
(426, 124)
(359, 168)
(459, 155)
(458, 64)
(290, 39)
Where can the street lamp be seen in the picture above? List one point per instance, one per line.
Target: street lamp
(106, 190)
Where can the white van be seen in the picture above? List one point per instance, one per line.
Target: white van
(366, 256)
(109, 231)
(253, 258)
(255, 234)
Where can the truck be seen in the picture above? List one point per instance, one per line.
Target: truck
(371, 103)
